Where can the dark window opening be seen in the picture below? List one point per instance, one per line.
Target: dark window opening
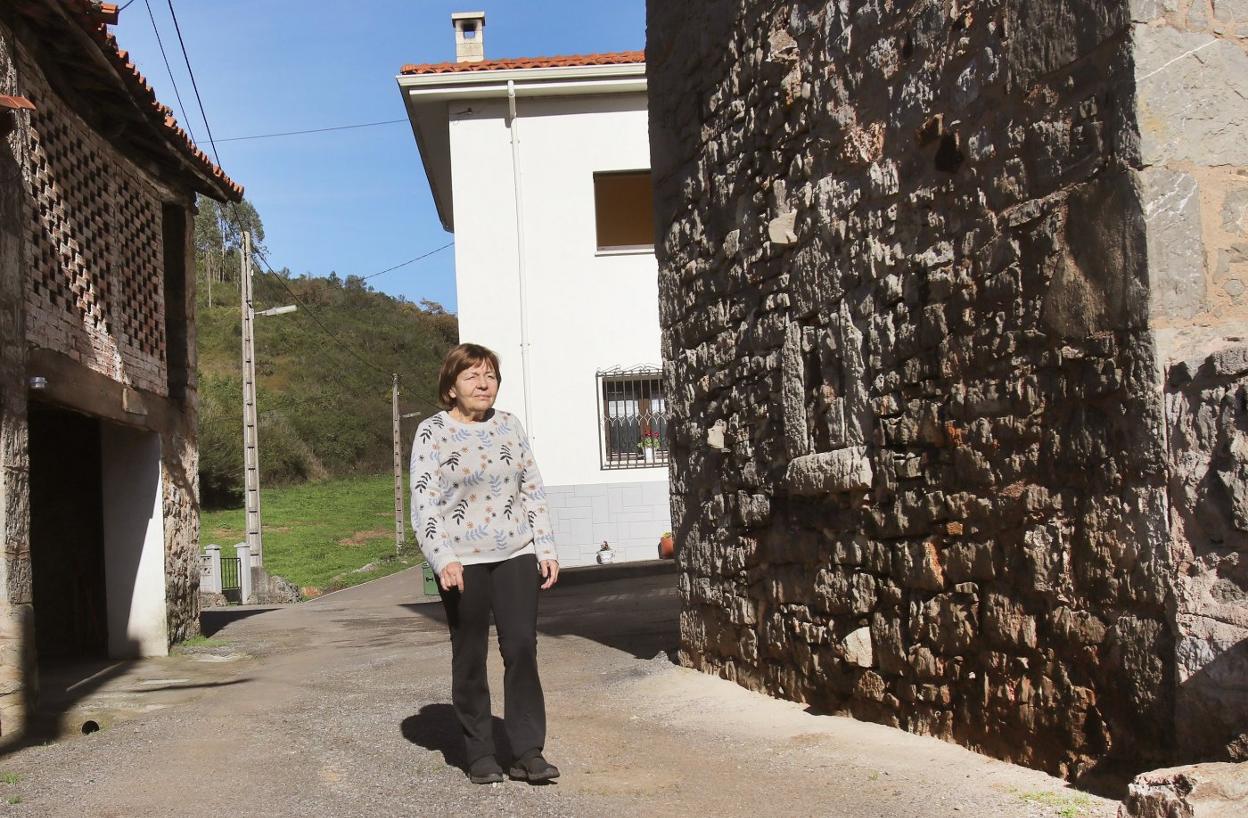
(177, 320)
(67, 536)
(624, 210)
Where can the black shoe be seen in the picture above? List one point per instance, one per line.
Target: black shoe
(485, 770)
(533, 768)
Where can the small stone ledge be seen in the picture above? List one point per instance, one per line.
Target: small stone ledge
(1212, 790)
(842, 470)
(1229, 362)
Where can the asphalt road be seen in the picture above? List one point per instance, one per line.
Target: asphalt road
(340, 707)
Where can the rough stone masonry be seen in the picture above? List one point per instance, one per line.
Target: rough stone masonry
(953, 302)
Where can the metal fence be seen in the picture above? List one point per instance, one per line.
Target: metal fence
(632, 417)
(230, 579)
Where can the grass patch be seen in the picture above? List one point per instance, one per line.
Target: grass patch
(202, 641)
(1063, 804)
(10, 778)
(319, 535)
(15, 799)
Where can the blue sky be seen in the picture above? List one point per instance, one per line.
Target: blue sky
(355, 201)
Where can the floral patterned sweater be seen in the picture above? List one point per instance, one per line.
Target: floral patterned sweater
(477, 495)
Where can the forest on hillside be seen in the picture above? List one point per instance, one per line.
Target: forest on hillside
(323, 372)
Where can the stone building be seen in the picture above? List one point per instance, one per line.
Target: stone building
(98, 459)
(953, 302)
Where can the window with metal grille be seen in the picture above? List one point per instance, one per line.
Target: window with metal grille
(632, 414)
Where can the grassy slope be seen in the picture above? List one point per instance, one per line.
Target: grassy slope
(317, 535)
(322, 411)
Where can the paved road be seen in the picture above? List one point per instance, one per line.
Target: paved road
(339, 707)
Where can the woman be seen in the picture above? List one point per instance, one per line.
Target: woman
(479, 511)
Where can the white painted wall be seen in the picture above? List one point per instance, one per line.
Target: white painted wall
(585, 311)
(134, 543)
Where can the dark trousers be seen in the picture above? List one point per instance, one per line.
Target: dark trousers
(509, 589)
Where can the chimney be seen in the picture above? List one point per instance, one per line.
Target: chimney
(469, 36)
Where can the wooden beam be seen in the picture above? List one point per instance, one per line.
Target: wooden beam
(73, 386)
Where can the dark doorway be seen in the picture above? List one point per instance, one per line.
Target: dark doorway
(67, 536)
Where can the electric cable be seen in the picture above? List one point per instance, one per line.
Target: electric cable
(169, 69)
(185, 58)
(313, 130)
(409, 261)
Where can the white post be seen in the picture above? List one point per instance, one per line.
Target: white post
(212, 582)
(244, 572)
(399, 528)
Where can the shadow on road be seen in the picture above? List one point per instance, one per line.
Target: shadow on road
(64, 688)
(632, 608)
(212, 620)
(436, 728)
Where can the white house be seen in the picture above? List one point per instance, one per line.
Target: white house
(540, 167)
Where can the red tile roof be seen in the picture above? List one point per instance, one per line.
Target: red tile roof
(571, 61)
(95, 18)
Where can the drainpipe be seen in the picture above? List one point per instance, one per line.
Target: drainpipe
(520, 257)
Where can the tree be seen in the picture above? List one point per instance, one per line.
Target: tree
(218, 237)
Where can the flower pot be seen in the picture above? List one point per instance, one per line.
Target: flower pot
(606, 557)
(648, 454)
(667, 548)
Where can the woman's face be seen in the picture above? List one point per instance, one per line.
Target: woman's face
(475, 389)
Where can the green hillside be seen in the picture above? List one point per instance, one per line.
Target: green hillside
(323, 372)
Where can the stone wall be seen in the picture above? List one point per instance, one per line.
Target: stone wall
(911, 290)
(16, 612)
(82, 272)
(1191, 67)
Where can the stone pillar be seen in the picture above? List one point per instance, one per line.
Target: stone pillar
(17, 670)
(210, 578)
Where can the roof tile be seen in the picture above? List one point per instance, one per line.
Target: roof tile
(95, 20)
(570, 61)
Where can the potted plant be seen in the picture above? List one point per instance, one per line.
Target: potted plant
(605, 555)
(667, 546)
(648, 444)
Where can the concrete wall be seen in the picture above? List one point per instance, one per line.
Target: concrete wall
(913, 286)
(134, 543)
(629, 516)
(586, 311)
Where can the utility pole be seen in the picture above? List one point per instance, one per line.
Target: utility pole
(399, 529)
(251, 426)
(251, 442)
(399, 536)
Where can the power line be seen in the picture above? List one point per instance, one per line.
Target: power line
(126, 6)
(194, 85)
(312, 130)
(409, 261)
(165, 57)
(312, 313)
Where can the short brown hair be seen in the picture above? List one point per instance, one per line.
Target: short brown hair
(464, 356)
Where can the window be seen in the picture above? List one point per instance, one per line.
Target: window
(633, 418)
(178, 364)
(624, 210)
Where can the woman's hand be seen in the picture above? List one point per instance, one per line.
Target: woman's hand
(452, 576)
(550, 570)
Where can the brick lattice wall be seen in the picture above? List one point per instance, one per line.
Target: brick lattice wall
(94, 251)
(919, 466)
